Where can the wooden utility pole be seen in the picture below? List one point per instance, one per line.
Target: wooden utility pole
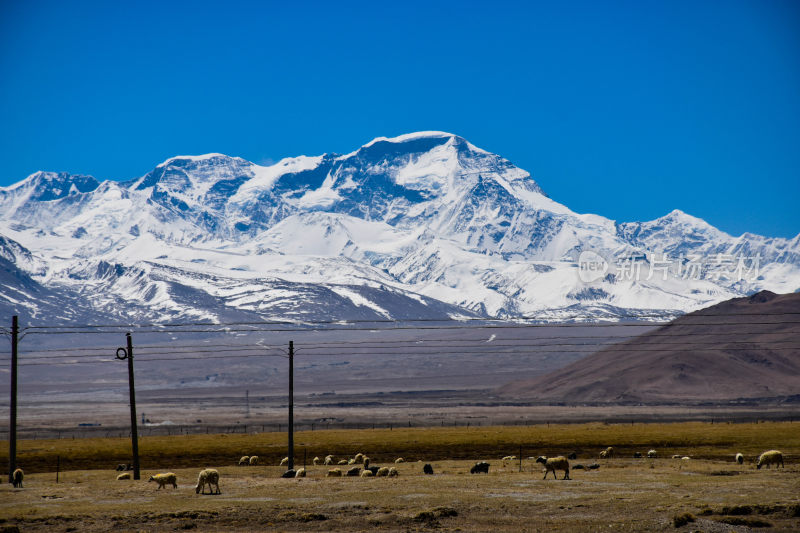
(291, 405)
(123, 353)
(12, 422)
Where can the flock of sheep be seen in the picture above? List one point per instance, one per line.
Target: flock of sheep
(209, 477)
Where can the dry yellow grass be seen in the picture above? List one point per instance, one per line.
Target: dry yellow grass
(624, 494)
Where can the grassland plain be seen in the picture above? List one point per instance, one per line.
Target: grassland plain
(709, 492)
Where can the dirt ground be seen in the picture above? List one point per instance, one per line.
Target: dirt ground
(623, 494)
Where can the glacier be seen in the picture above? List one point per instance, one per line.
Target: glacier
(420, 226)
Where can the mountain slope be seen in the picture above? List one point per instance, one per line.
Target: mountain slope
(738, 349)
(426, 215)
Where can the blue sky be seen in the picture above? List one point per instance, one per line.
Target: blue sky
(624, 109)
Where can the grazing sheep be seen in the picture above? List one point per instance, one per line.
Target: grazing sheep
(652, 454)
(121, 467)
(328, 460)
(382, 472)
(351, 461)
(254, 460)
(637, 455)
(334, 473)
(677, 456)
(366, 462)
(772, 457)
(358, 458)
(573, 455)
(16, 478)
(284, 461)
(608, 453)
(739, 458)
(289, 473)
(399, 460)
(579, 467)
(353, 472)
(477, 468)
(373, 469)
(165, 479)
(342, 462)
(244, 460)
(393, 472)
(554, 463)
(427, 469)
(315, 461)
(209, 477)
(300, 473)
(593, 466)
(367, 473)
(685, 458)
(125, 475)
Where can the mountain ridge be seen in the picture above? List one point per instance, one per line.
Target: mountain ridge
(426, 213)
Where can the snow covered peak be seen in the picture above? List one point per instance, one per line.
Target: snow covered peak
(194, 158)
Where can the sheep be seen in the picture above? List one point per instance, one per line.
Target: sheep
(399, 460)
(507, 459)
(373, 469)
(554, 463)
(367, 473)
(608, 453)
(335, 472)
(164, 479)
(393, 472)
(209, 477)
(359, 457)
(427, 469)
(244, 460)
(772, 457)
(328, 460)
(477, 468)
(685, 458)
(637, 455)
(16, 478)
(366, 462)
(342, 462)
(739, 458)
(351, 461)
(254, 460)
(652, 454)
(573, 455)
(383, 472)
(593, 466)
(124, 475)
(353, 472)
(284, 461)
(315, 461)
(121, 467)
(289, 473)
(300, 473)
(677, 456)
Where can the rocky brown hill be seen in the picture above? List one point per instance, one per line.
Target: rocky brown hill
(741, 349)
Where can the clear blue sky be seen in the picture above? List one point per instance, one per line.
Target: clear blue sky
(624, 109)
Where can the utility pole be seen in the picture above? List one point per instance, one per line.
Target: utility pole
(12, 422)
(123, 354)
(247, 403)
(291, 405)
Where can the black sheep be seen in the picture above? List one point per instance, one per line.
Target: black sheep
(483, 466)
(428, 469)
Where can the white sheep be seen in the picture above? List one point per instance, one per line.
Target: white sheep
(677, 456)
(315, 461)
(739, 458)
(608, 453)
(335, 472)
(351, 461)
(209, 477)
(399, 460)
(300, 473)
(554, 463)
(244, 460)
(772, 457)
(393, 472)
(254, 460)
(367, 473)
(284, 461)
(16, 478)
(359, 458)
(652, 454)
(165, 479)
(328, 460)
(382, 472)
(342, 462)
(126, 475)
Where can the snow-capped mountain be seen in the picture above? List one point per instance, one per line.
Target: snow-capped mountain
(424, 225)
